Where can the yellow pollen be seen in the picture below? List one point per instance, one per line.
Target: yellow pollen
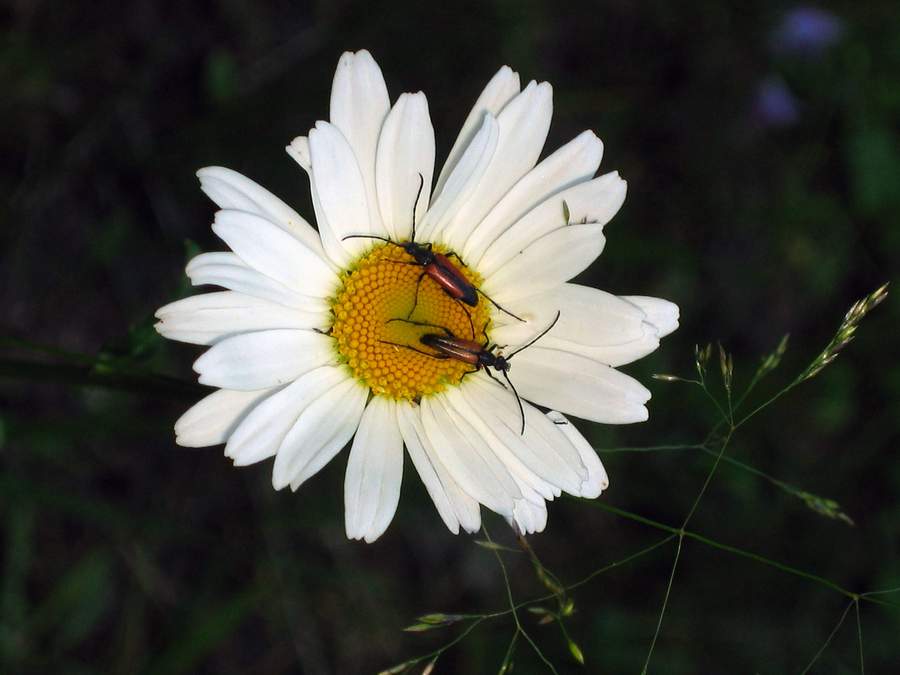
(380, 286)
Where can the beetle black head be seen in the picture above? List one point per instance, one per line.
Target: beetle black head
(421, 253)
(500, 363)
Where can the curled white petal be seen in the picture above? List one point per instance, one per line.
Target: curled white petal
(481, 475)
(268, 249)
(548, 262)
(229, 271)
(661, 313)
(579, 386)
(323, 427)
(455, 507)
(231, 190)
(592, 323)
(523, 125)
(359, 105)
(339, 195)
(258, 436)
(573, 163)
(501, 88)
(405, 157)
(595, 202)
(597, 480)
(298, 150)
(462, 181)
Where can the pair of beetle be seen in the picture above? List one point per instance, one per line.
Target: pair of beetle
(446, 345)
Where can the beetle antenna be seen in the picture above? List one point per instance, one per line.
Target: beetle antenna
(538, 337)
(518, 400)
(370, 236)
(415, 204)
(495, 304)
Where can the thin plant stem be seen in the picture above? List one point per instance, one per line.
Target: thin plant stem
(513, 609)
(665, 604)
(862, 664)
(830, 637)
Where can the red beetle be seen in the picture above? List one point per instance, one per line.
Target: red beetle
(436, 266)
(479, 355)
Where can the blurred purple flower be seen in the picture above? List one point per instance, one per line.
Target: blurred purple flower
(775, 105)
(807, 31)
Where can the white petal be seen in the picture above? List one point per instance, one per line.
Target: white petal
(270, 250)
(299, 152)
(551, 260)
(498, 92)
(229, 271)
(480, 436)
(359, 105)
(374, 472)
(580, 386)
(523, 124)
(661, 313)
(343, 426)
(554, 456)
(479, 473)
(405, 151)
(205, 319)
(231, 190)
(339, 195)
(462, 181)
(454, 506)
(212, 419)
(321, 430)
(592, 323)
(573, 163)
(595, 201)
(260, 434)
(500, 426)
(264, 359)
(597, 480)
(529, 517)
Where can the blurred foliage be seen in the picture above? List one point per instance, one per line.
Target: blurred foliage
(125, 554)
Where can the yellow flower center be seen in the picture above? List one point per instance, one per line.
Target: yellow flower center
(381, 286)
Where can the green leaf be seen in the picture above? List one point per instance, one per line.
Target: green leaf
(576, 652)
(440, 619)
(421, 627)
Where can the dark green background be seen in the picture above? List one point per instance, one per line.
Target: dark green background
(123, 553)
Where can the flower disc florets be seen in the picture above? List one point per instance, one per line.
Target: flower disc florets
(372, 333)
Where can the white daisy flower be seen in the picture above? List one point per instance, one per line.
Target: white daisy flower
(304, 351)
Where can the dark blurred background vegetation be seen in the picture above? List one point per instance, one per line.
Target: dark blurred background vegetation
(761, 142)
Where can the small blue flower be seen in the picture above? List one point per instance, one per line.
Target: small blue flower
(807, 31)
(775, 105)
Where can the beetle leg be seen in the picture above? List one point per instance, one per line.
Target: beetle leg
(475, 370)
(416, 298)
(454, 254)
(494, 378)
(424, 323)
(468, 315)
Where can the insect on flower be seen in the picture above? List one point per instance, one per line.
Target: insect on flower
(435, 265)
(478, 354)
(296, 334)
